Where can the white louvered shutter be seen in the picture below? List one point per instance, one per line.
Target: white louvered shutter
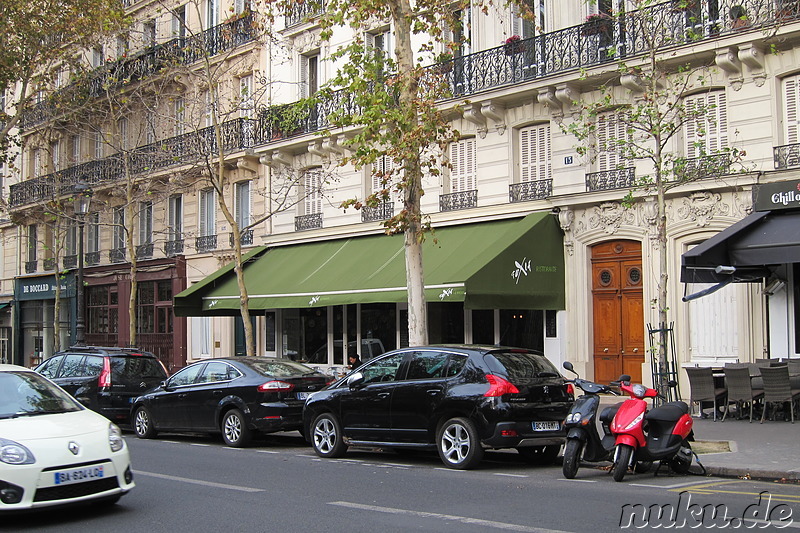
(718, 122)
(791, 91)
(313, 201)
(382, 165)
(462, 161)
(534, 144)
(610, 128)
(709, 130)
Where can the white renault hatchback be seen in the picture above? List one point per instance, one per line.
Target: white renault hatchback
(54, 451)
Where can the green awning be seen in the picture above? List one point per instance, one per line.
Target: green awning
(509, 264)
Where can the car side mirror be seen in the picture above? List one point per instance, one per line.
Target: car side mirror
(164, 385)
(355, 380)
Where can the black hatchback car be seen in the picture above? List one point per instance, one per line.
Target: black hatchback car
(104, 379)
(233, 396)
(458, 399)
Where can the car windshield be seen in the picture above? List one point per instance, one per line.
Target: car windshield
(524, 365)
(29, 394)
(281, 368)
(136, 367)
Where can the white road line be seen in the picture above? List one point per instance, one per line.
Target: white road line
(579, 480)
(509, 475)
(197, 482)
(444, 469)
(198, 444)
(676, 485)
(452, 518)
(266, 451)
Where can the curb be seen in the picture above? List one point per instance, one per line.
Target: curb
(747, 473)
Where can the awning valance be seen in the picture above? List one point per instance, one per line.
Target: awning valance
(744, 250)
(515, 263)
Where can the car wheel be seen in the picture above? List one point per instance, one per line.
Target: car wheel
(143, 424)
(458, 444)
(326, 436)
(234, 429)
(572, 458)
(539, 455)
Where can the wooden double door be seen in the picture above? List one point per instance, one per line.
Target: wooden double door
(618, 312)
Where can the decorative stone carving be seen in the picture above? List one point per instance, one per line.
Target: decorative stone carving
(729, 61)
(702, 206)
(566, 217)
(609, 216)
(547, 97)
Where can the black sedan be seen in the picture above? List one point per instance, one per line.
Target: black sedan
(233, 396)
(456, 399)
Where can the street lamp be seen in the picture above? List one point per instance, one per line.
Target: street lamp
(82, 195)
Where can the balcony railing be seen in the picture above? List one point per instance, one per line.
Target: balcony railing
(92, 258)
(70, 261)
(144, 64)
(30, 266)
(49, 264)
(300, 12)
(382, 211)
(786, 156)
(144, 251)
(206, 243)
(246, 240)
(710, 166)
(306, 222)
(458, 200)
(530, 190)
(173, 248)
(116, 255)
(618, 178)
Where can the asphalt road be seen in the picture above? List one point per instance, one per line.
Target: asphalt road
(195, 484)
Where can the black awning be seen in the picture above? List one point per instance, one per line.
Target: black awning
(750, 246)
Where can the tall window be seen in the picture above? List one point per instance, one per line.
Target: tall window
(242, 204)
(93, 233)
(380, 171)
(175, 218)
(462, 33)
(201, 336)
(97, 56)
(709, 132)
(98, 145)
(610, 128)
(246, 96)
(75, 155)
(145, 222)
(36, 162)
(528, 28)
(123, 133)
(119, 228)
(241, 6)
(212, 13)
(791, 118)
(179, 112)
(463, 166)
(207, 222)
(55, 156)
(33, 242)
(149, 33)
(312, 182)
(150, 127)
(179, 22)
(309, 75)
(382, 43)
(122, 46)
(72, 238)
(534, 151)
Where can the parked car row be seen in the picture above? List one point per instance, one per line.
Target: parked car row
(456, 399)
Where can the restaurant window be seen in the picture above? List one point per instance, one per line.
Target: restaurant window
(483, 326)
(379, 321)
(102, 309)
(522, 328)
(305, 334)
(154, 307)
(446, 322)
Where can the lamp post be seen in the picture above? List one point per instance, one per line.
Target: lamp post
(82, 195)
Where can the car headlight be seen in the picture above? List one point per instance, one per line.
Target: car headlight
(14, 453)
(115, 438)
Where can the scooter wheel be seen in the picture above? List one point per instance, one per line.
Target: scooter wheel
(623, 459)
(572, 458)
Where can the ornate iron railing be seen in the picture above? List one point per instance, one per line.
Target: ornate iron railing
(49, 263)
(300, 12)
(710, 166)
(786, 156)
(144, 251)
(116, 255)
(173, 248)
(530, 190)
(247, 238)
(618, 178)
(458, 200)
(382, 211)
(70, 261)
(306, 222)
(92, 258)
(30, 266)
(206, 243)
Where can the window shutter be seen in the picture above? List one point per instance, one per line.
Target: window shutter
(462, 161)
(313, 202)
(790, 88)
(604, 157)
(304, 76)
(535, 153)
(382, 165)
(718, 123)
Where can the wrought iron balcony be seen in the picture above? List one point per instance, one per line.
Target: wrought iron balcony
(458, 200)
(382, 211)
(144, 251)
(206, 243)
(530, 190)
(173, 248)
(710, 166)
(49, 264)
(144, 64)
(71, 261)
(116, 255)
(30, 266)
(300, 12)
(92, 258)
(618, 178)
(247, 238)
(786, 156)
(306, 222)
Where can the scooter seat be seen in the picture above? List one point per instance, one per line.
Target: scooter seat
(669, 412)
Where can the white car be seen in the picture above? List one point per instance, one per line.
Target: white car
(54, 451)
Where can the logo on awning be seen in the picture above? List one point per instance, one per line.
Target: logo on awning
(521, 267)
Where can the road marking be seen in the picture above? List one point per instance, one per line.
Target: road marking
(266, 451)
(677, 485)
(444, 469)
(578, 480)
(198, 444)
(452, 518)
(509, 475)
(197, 482)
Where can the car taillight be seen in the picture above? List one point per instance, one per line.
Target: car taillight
(275, 386)
(104, 381)
(570, 389)
(499, 386)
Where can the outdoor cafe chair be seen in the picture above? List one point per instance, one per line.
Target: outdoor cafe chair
(701, 381)
(740, 390)
(777, 389)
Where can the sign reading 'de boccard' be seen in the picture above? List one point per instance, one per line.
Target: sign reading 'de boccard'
(781, 195)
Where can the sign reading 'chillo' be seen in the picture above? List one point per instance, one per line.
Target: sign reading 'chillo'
(781, 195)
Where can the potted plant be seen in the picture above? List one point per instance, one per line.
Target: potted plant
(596, 24)
(738, 17)
(513, 45)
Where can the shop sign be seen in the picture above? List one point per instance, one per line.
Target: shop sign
(782, 195)
(43, 288)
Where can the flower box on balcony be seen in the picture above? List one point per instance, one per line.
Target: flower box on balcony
(597, 24)
(513, 45)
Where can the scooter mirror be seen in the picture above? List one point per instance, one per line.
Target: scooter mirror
(568, 366)
(672, 383)
(624, 377)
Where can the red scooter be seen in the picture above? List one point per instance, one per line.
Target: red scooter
(661, 434)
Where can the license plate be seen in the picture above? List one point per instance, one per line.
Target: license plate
(79, 475)
(546, 426)
(302, 395)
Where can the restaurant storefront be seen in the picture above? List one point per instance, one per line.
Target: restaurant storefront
(490, 282)
(35, 298)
